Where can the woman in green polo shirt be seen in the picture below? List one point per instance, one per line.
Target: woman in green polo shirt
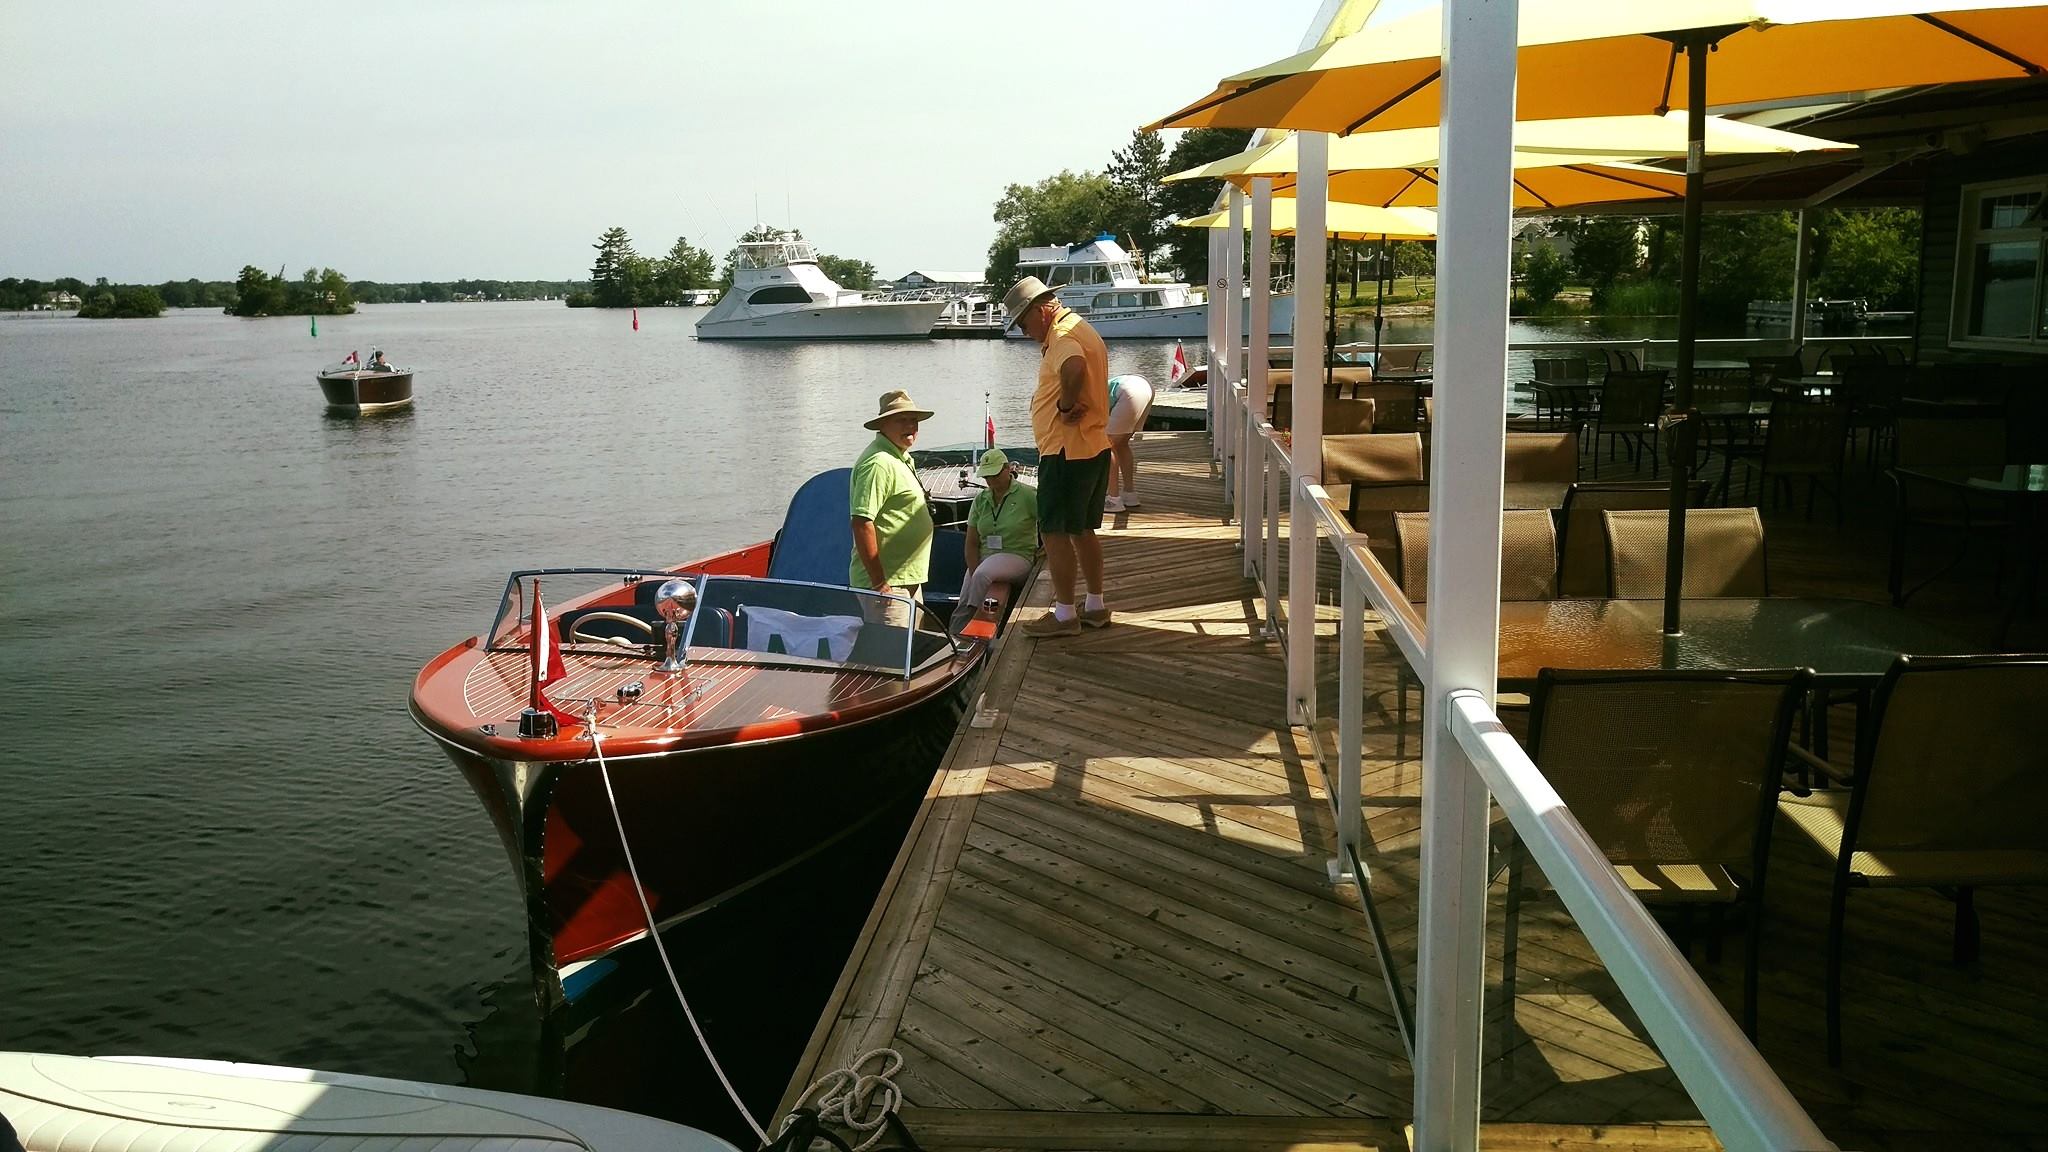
(1002, 533)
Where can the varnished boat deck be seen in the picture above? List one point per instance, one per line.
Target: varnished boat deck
(1111, 928)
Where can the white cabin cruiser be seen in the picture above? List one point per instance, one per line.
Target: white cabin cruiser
(116, 1104)
(779, 293)
(1098, 280)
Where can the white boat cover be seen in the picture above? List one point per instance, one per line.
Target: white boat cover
(124, 1104)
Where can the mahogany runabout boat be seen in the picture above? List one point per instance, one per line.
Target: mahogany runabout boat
(733, 717)
(364, 390)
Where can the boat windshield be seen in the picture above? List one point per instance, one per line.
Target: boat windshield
(776, 253)
(794, 621)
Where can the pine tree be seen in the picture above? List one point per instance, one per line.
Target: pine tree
(611, 278)
(1137, 199)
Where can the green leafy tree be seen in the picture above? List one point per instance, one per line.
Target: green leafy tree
(1870, 254)
(613, 276)
(1415, 259)
(1137, 198)
(685, 267)
(258, 293)
(1188, 254)
(1605, 250)
(1744, 256)
(1544, 274)
(1065, 208)
(121, 301)
(847, 272)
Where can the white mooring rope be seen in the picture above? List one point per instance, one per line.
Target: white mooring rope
(846, 1094)
(660, 949)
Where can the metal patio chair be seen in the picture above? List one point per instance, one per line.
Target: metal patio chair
(1724, 553)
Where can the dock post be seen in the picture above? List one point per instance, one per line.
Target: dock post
(1474, 210)
(1211, 354)
(1311, 206)
(1233, 341)
(1252, 461)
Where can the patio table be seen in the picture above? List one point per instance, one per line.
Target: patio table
(1846, 642)
(1699, 365)
(1515, 496)
(2025, 486)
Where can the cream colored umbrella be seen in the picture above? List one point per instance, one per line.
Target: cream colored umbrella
(1345, 221)
(1558, 163)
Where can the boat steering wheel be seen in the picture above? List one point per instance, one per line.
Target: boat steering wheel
(577, 633)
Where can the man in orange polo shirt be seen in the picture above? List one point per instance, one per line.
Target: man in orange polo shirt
(1070, 418)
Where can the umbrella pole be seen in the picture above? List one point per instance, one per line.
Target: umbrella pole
(1379, 301)
(1684, 428)
(1330, 346)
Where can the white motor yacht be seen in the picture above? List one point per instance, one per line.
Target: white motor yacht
(1099, 281)
(779, 293)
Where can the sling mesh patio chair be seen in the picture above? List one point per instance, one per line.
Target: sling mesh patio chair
(1675, 775)
(1562, 391)
(1631, 408)
(1582, 534)
(1724, 553)
(1937, 439)
(1951, 780)
(1372, 476)
(1528, 571)
(1551, 457)
(1803, 439)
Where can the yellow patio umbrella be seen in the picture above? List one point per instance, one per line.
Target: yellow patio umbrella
(1616, 57)
(1558, 163)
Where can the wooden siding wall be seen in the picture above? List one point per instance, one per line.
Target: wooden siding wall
(1941, 225)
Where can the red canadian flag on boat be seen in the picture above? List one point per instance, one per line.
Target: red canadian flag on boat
(1179, 368)
(547, 662)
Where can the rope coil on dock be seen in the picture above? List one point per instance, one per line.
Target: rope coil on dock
(846, 1095)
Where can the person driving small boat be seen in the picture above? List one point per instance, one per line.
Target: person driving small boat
(378, 363)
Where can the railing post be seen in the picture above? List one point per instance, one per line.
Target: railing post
(1276, 478)
(1350, 714)
(1211, 357)
(1312, 192)
(1474, 208)
(1255, 370)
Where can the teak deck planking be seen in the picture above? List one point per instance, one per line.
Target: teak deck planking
(1110, 926)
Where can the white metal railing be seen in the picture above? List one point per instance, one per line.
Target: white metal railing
(1735, 1089)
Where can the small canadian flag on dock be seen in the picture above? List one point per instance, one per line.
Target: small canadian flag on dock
(1179, 369)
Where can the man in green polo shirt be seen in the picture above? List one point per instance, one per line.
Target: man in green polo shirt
(892, 523)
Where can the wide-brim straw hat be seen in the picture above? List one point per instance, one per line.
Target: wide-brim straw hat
(992, 462)
(897, 403)
(1021, 296)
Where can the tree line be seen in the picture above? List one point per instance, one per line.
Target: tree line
(1630, 264)
(622, 278)
(275, 297)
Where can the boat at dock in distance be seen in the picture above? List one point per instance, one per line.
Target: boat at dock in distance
(751, 711)
(350, 387)
(1099, 281)
(779, 293)
(118, 1103)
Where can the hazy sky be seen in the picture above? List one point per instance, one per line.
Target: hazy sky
(437, 140)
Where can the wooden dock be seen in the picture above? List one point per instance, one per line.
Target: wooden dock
(1110, 926)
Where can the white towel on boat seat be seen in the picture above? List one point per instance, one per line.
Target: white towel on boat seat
(816, 637)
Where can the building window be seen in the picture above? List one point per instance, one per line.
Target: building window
(2002, 249)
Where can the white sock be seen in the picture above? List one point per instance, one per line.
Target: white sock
(1062, 612)
(1094, 602)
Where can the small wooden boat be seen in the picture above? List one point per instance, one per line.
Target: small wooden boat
(750, 711)
(115, 1104)
(352, 389)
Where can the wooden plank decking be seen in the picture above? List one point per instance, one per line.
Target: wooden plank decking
(1110, 925)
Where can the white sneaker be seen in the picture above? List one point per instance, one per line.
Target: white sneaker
(1131, 500)
(1112, 505)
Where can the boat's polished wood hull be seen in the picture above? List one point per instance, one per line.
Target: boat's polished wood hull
(365, 391)
(726, 772)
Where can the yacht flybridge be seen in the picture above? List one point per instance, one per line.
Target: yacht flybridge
(1099, 281)
(779, 293)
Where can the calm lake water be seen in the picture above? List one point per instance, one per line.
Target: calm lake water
(223, 836)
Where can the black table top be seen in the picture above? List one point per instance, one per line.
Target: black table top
(1841, 640)
(2010, 479)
